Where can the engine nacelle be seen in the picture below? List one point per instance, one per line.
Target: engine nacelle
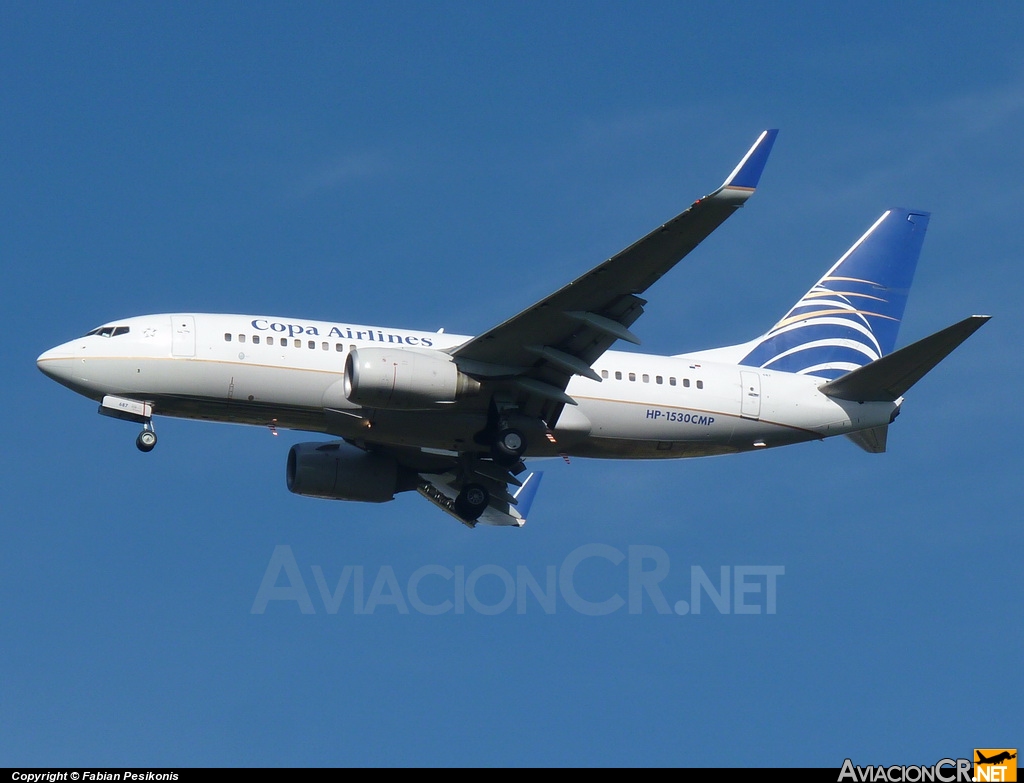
(338, 471)
(404, 379)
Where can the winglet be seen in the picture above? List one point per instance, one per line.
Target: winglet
(748, 173)
(526, 493)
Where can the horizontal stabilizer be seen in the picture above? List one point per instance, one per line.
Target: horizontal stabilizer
(872, 440)
(888, 378)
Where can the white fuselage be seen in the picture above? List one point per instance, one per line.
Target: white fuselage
(288, 373)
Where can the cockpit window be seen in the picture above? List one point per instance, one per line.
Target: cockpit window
(108, 331)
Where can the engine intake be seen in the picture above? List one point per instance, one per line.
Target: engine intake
(338, 471)
(404, 379)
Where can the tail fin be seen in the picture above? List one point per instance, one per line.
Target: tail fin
(852, 315)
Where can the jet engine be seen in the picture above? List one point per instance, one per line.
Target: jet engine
(338, 471)
(404, 379)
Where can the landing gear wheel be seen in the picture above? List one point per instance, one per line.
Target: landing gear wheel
(509, 446)
(146, 441)
(472, 501)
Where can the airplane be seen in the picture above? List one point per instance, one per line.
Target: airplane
(454, 417)
(996, 759)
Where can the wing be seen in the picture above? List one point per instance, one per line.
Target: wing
(505, 508)
(535, 353)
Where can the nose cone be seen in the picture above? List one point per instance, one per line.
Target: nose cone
(57, 363)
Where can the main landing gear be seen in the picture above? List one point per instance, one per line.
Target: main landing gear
(505, 446)
(146, 441)
(508, 447)
(472, 502)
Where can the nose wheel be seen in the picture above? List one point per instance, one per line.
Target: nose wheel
(146, 441)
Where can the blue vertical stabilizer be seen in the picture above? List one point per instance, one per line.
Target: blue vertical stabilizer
(852, 315)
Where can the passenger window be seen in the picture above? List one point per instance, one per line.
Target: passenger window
(351, 347)
(241, 338)
(686, 382)
(298, 343)
(312, 345)
(255, 339)
(270, 340)
(604, 373)
(325, 346)
(671, 381)
(618, 375)
(339, 347)
(632, 376)
(700, 384)
(646, 378)
(227, 337)
(658, 379)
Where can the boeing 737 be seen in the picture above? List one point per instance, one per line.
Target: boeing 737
(454, 417)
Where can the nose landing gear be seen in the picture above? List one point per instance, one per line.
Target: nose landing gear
(139, 411)
(146, 441)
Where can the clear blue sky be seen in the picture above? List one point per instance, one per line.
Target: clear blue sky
(446, 164)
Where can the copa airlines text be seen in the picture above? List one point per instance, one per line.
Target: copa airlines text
(342, 332)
